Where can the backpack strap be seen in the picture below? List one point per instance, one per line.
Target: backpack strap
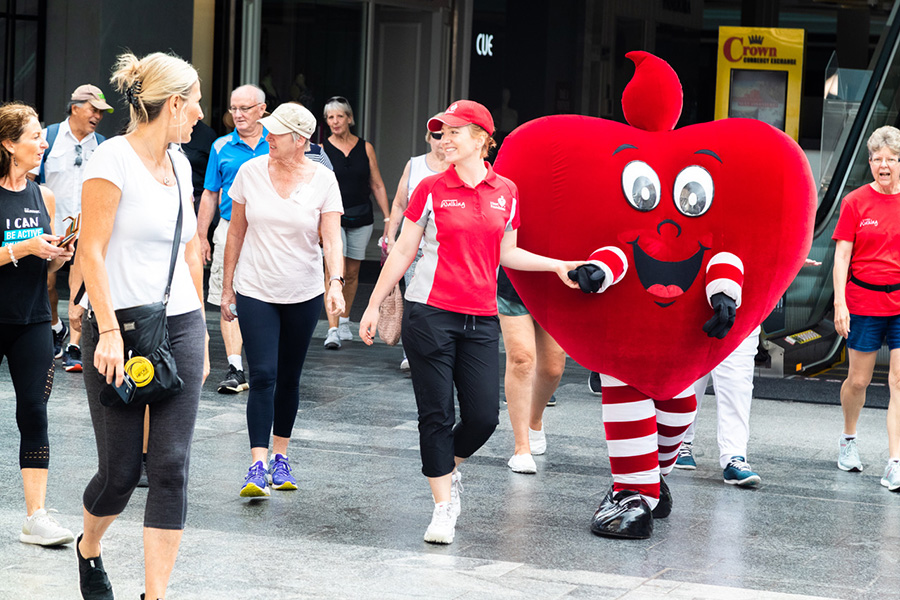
(52, 132)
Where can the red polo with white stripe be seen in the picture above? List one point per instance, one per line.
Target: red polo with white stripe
(463, 229)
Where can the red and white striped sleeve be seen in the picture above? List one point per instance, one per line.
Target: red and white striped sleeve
(725, 273)
(613, 263)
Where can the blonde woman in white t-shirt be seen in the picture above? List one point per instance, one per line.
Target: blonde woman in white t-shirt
(274, 280)
(133, 186)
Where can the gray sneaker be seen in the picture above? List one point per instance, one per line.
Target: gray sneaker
(848, 459)
(42, 529)
(344, 332)
(891, 478)
(333, 340)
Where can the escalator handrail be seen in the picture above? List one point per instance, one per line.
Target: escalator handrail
(842, 170)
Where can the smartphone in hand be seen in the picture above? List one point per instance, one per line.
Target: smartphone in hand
(71, 231)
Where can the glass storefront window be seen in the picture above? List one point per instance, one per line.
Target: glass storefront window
(25, 62)
(311, 51)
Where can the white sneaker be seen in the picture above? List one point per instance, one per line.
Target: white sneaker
(344, 333)
(456, 489)
(537, 440)
(332, 340)
(522, 463)
(404, 364)
(443, 525)
(42, 529)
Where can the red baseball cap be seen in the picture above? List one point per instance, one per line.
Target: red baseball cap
(463, 112)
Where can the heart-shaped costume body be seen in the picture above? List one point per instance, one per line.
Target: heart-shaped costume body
(673, 218)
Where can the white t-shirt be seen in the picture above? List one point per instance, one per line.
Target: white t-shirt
(140, 247)
(281, 261)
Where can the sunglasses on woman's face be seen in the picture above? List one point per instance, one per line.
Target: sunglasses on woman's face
(436, 136)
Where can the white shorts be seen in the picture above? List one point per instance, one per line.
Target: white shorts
(217, 269)
(355, 240)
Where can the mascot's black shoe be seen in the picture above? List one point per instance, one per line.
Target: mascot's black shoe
(624, 514)
(664, 507)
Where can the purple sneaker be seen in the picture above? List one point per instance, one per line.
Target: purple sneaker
(280, 473)
(255, 485)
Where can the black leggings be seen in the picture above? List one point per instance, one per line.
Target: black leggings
(29, 352)
(447, 349)
(276, 338)
(120, 432)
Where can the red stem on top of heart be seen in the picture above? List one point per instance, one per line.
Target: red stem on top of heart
(653, 99)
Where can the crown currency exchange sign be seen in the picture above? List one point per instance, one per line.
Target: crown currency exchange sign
(760, 75)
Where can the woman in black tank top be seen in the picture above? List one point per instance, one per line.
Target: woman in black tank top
(29, 251)
(356, 169)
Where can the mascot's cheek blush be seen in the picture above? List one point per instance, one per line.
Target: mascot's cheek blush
(671, 200)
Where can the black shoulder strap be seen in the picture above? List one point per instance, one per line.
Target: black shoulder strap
(177, 241)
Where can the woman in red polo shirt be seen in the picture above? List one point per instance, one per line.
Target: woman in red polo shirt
(468, 216)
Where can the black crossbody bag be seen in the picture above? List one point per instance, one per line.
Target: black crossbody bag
(149, 362)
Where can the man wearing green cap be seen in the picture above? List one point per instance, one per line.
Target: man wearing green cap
(71, 144)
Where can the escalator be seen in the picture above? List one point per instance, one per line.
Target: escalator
(799, 336)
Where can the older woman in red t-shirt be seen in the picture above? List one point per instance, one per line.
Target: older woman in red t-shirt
(468, 217)
(867, 294)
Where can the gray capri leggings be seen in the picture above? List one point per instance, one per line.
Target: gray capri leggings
(119, 431)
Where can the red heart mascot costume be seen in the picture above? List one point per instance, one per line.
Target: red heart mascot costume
(692, 237)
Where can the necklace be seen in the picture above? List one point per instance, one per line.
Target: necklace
(159, 165)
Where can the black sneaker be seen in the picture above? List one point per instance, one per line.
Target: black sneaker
(92, 577)
(234, 382)
(58, 339)
(594, 383)
(143, 481)
(552, 400)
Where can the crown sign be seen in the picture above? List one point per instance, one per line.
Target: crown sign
(756, 39)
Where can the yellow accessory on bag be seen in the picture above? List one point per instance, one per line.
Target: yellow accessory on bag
(140, 370)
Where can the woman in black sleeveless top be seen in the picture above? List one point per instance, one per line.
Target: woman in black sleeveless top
(29, 251)
(356, 169)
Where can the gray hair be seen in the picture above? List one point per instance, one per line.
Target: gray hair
(296, 136)
(341, 104)
(884, 137)
(73, 103)
(257, 91)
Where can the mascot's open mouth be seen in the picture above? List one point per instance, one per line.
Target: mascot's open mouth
(664, 279)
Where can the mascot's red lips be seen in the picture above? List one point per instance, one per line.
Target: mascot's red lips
(666, 279)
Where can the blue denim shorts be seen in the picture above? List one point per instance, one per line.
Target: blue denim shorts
(867, 334)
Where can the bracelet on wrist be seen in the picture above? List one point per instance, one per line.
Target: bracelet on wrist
(12, 257)
(337, 278)
(387, 220)
(108, 330)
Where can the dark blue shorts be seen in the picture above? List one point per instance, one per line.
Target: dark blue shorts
(867, 334)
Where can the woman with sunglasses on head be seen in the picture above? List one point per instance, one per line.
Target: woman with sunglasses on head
(356, 169)
(29, 252)
(867, 295)
(468, 216)
(417, 169)
(135, 188)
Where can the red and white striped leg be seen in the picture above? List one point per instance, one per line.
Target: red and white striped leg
(629, 418)
(673, 417)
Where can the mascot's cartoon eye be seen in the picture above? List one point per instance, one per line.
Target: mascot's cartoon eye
(641, 185)
(693, 191)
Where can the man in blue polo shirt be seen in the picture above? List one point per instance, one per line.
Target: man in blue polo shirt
(228, 153)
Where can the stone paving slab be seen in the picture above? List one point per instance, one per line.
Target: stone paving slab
(354, 528)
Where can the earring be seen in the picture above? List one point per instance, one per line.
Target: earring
(15, 162)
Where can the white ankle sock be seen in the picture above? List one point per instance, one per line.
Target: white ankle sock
(58, 327)
(235, 361)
